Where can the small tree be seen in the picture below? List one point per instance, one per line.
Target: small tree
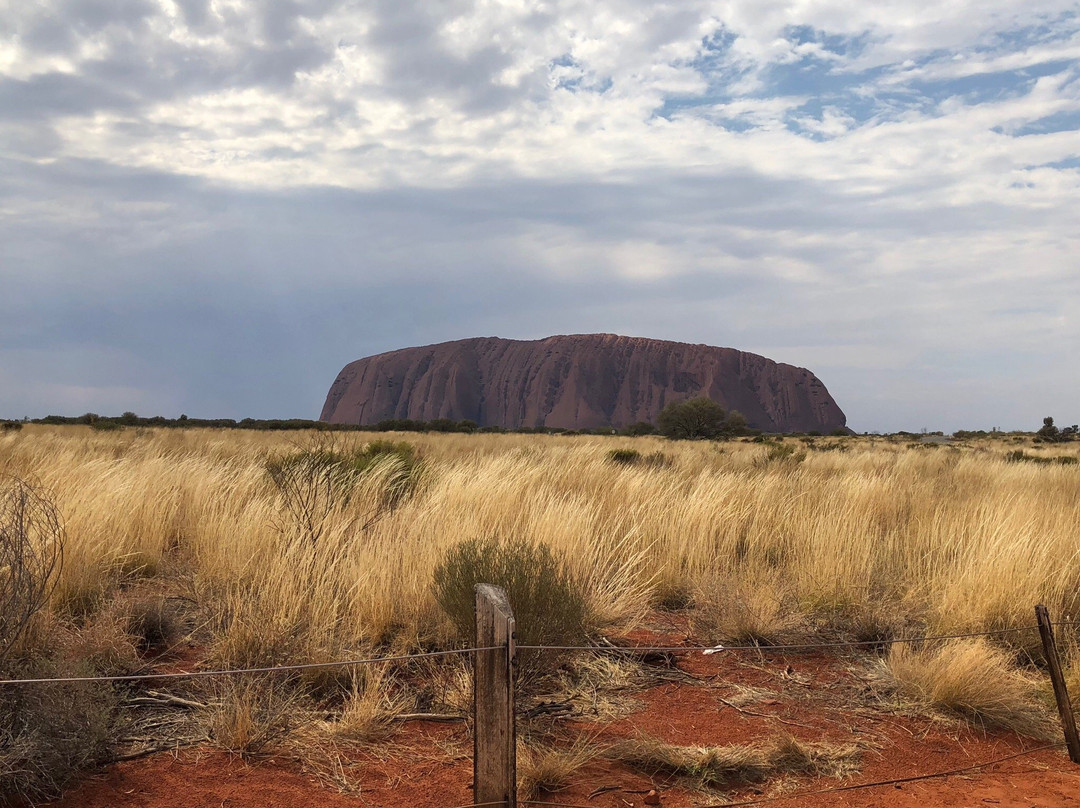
(736, 424)
(698, 418)
(1049, 432)
(31, 552)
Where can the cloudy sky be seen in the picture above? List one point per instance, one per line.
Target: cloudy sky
(210, 206)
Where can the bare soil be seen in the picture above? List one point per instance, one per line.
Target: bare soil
(725, 699)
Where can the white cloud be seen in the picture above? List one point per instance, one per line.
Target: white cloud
(876, 177)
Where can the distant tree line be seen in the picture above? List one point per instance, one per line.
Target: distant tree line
(130, 419)
(698, 418)
(1047, 433)
(694, 419)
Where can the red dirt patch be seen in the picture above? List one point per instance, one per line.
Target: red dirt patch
(731, 698)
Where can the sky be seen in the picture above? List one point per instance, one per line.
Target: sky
(210, 206)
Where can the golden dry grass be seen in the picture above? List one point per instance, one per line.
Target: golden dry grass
(973, 680)
(737, 764)
(877, 536)
(546, 767)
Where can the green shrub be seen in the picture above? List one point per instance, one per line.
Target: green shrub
(624, 457)
(314, 481)
(781, 452)
(1020, 456)
(695, 419)
(549, 605)
(105, 425)
(10, 426)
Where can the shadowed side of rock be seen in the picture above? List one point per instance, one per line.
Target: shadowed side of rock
(583, 381)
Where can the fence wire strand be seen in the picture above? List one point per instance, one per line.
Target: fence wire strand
(135, 677)
(594, 648)
(786, 647)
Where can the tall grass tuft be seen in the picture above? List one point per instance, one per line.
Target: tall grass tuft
(973, 680)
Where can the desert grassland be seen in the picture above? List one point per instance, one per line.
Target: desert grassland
(181, 537)
(874, 540)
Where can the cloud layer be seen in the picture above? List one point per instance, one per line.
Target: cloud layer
(212, 206)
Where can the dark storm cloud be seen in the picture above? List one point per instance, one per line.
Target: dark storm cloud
(188, 297)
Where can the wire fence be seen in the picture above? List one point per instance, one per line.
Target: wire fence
(608, 649)
(342, 663)
(615, 650)
(809, 646)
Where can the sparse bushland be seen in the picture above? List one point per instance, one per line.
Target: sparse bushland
(871, 542)
(875, 524)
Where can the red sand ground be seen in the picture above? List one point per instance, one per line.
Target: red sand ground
(812, 697)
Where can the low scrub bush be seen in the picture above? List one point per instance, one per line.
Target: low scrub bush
(105, 425)
(31, 555)
(624, 457)
(549, 605)
(1020, 456)
(154, 625)
(632, 457)
(315, 481)
(341, 464)
(50, 732)
(783, 453)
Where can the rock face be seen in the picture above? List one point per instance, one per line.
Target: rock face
(583, 381)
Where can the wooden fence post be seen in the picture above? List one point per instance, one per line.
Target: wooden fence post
(494, 735)
(1061, 693)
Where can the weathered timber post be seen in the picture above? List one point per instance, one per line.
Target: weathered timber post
(494, 735)
(1061, 693)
